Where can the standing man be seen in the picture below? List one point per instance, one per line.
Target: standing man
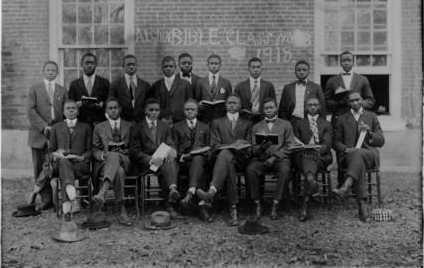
(337, 87)
(227, 130)
(185, 62)
(214, 86)
(357, 158)
(171, 91)
(148, 134)
(90, 85)
(111, 140)
(267, 156)
(45, 107)
(316, 130)
(295, 94)
(70, 145)
(189, 135)
(130, 91)
(254, 90)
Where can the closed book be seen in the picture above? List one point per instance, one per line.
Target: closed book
(265, 138)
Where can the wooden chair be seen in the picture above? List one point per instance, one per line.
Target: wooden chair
(149, 191)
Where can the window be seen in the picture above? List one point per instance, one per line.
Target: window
(98, 26)
(360, 26)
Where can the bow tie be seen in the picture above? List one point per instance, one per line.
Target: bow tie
(346, 73)
(301, 82)
(186, 75)
(270, 120)
(71, 123)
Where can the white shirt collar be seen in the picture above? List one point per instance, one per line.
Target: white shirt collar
(150, 122)
(358, 114)
(252, 81)
(71, 123)
(233, 116)
(169, 81)
(128, 79)
(47, 82)
(211, 77)
(186, 78)
(112, 122)
(194, 122)
(87, 78)
(315, 117)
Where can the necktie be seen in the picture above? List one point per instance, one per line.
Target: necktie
(233, 123)
(132, 91)
(51, 96)
(213, 86)
(314, 128)
(191, 124)
(301, 82)
(255, 96)
(116, 135)
(153, 130)
(89, 86)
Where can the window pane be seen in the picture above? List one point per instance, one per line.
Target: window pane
(364, 41)
(331, 41)
(100, 34)
(348, 18)
(347, 40)
(69, 35)
(102, 57)
(363, 60)
(69, 14)
(380, 17)
(103, 72)
(380, 40)
(84, 14)
(364, 17)
(117, 35)
(115, 73)
(379, 60)
(331, 19)
(332, 60)
(117, 13)
(116, 57)
(100, 13)
(70, 58)
(84, 35)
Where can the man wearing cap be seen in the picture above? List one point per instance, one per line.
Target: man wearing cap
(192, 134)
(111, 140)
(146, 138)
(314, 130)
(224, 131)
(357, 157)
(270, 157)
(70, 145)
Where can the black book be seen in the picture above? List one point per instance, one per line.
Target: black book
(89, 100)
(210, 110)
(265, 138)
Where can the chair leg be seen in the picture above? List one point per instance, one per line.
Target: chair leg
(59, 198)
(369, 178)
(142, 194)
(136, 197)
(327, 175)
(377, 177)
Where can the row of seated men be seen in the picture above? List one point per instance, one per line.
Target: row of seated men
(46, 101)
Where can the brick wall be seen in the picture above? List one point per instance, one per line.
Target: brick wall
(25, 35)
(280, 32)
(411, 61)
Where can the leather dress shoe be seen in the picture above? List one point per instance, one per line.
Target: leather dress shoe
(258, 210)
(185, 202)
(363, 211)
(174, 195)
(304, 212)
(204, 214)
(207, 196)
(274, 214)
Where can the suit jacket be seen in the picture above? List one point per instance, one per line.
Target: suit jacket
(100, 90)
(120, 90)
(346, 133)
(172, 102)
(193, 83)
(243, 91)
(203, 89)
(288, 99)
(143, 144)
(285, 138)
(338, 104)
(221, 132)
(303, 132)
(39, 112)
(102, 135)
(186, 140)
(79, 142)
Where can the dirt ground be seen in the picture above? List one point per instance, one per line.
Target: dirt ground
(333, 237)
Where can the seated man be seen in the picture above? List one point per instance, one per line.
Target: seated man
(357, 157)
(224, 131)
(191, 134)
(312, 129)
(268, 156)
(70, 145)
(110, 149)
(147, 136)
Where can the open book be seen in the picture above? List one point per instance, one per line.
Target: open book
(211, 103)
(238, 145)
(340, 90)
(300, 146)
(89, 100)
(210, 110)
(264, 138)
(162, 152)
(200, 150)
(255, 117)
(361, 139)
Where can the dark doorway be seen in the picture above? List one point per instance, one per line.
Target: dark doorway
(380, 89)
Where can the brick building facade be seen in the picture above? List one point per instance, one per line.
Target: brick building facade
(278, 31)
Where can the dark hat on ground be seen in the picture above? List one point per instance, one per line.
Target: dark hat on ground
(159, 220)
(252, 226)
(96, 220)
(69, 233)
(26, 211)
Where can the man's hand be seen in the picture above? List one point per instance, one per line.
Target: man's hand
(58, 154)
(75, 157)
(99, 104)
(270, 161)
(79, 103)
(156, 162)
(46, 131)
(363, 127)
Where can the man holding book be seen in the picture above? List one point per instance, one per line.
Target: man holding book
(357, 136)
(271, 138)
(152, 147)
(233, 132)
(312, 130)
(192, 139)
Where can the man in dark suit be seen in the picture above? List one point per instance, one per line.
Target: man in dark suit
(70, 145)
(171, 91)
(335, 94)
(130, 91)
(185, 62)
(111, 139)
(214, 86)
(270, 157)
(316, 130)
(89, 85)
(254, 90)
(295, 94)
(45, 107)
(224, 131)
(148, 134)
(356, 158)
(189, 135)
